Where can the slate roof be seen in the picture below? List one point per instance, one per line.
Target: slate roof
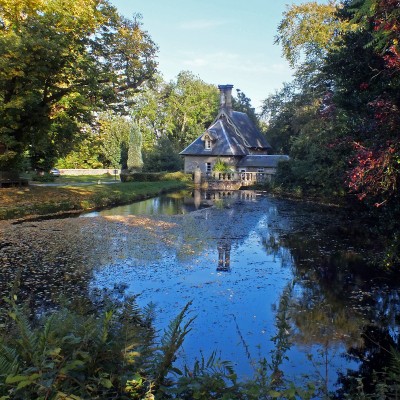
(262, 161)
(233, 133)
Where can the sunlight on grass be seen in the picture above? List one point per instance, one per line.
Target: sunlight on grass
(42, 200)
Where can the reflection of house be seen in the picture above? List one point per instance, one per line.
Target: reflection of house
(224, 255)
(233, 139)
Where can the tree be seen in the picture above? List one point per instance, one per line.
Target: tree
(60, 61)
(113, 133)
(366, 75)
(135, 161)
(341, 116)
(162, 157)
(148, 109)
(191, 105)
(308, 31)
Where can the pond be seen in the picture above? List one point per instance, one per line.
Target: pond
(263, 273)
(181, 202)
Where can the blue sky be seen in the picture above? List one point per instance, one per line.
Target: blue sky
(221, 41)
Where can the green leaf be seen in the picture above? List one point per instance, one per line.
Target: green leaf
(106, 383)
(15, 378)
(274, 394)
(54, 352)
(13, 315)
(24, 384)
(71, 366)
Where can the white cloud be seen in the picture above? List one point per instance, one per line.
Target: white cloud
(234, 62)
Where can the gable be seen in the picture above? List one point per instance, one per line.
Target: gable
(225, 142)
(232, 134)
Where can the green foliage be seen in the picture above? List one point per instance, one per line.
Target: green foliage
(102, 350)
(61, 61)
(46, 177)
(155, 177)
(191, 105)
(338, 120)
(221, 166)
(135, 161)
(162, 157)
(208, 379)
(85, 155)
(308, 31)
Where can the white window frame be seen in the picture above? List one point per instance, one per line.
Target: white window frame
(208, 167)
(207, 144)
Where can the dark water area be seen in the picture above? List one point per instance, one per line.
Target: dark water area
(182, 202)
(263, 274)
(256, 258)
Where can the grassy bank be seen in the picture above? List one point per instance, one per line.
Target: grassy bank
(34, 201)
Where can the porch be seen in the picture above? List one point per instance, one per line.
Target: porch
(231, 180)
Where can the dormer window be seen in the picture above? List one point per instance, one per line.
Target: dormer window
(208, 140)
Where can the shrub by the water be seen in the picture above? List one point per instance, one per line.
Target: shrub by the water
(127, 176)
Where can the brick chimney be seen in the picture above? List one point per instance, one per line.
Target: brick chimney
(225, 97)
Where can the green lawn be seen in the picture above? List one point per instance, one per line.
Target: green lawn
(35, 201)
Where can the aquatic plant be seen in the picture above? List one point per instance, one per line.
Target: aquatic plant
(103, 350)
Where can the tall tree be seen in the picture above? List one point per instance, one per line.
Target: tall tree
(135, 160)
(60, 60)
(308, 31)
(366, 76)
(191, 105)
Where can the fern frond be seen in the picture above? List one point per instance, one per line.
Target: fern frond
(172, 340)
(28, 339)
(8, 360)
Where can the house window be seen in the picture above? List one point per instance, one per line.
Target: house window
(208, 167)
(260, 169)
(207, 144)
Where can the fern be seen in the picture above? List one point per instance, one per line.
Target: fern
(8, 360)
(172, 340)
(208, 379)
(28, 340)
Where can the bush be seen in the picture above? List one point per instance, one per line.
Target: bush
(105, 350)
(46, 177)
(222, 166)
(154, 176)
(164, 157)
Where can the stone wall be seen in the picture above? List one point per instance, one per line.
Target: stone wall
(82, 171)
(192, 162)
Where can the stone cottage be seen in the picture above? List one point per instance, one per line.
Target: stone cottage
(233, 139)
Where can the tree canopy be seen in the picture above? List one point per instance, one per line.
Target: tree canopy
(339, 118)
(61, 61)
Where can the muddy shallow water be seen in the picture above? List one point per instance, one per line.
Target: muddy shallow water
(247, 261)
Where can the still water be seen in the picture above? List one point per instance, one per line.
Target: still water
(182, 202)
(261, 273)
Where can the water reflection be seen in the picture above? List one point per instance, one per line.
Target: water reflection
(224, 255)
(182, 202)
(244, 259)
